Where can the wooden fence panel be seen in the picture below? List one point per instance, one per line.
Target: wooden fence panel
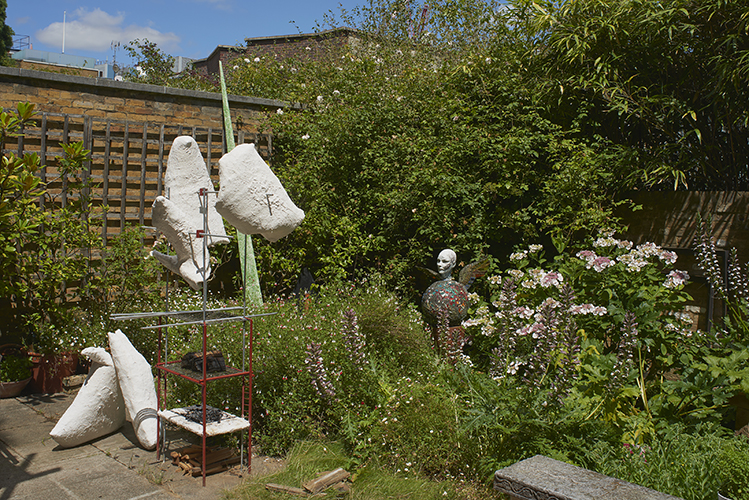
(127, 162)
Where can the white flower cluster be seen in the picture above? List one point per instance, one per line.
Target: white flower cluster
(634, 261)
(588, 309)
(676, 279)
(596, 262)
(524, 253)
(544, 279)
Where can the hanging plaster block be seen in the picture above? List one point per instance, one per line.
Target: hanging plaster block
(98, 409)
(168, 218)
(185, 175)
(136, 381)
(252, 198)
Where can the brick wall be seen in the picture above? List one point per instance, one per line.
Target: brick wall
(105, 98)
(129, 129)
(670, 219)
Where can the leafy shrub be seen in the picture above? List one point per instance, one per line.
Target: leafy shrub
(317, 358)
(733, 467)
(677, 463)
(14, 367)
(418, 430)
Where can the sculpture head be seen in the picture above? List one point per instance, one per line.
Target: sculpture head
(445, 263)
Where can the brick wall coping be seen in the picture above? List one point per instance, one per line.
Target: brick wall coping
(91, 84)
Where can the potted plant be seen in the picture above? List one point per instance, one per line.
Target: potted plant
(15, 370)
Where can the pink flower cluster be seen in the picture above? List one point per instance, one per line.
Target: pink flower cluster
(588, 309)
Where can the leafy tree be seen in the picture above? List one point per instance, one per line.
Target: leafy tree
(154, 66)
(6, 34)
(666, 80)
(403, 148)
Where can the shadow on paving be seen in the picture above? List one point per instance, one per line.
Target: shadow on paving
(34, 467)
(13, 472)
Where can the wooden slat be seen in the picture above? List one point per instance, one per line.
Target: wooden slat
(105, 181)
(65, 177)
(143, 151)
(159, 186)
(123, 189)
(208, 141)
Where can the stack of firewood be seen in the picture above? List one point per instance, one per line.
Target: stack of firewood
(190, 459)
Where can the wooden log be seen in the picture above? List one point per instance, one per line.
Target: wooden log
(193, 448)
(326, 480)
(215, 467)
(290, 490)
(219, 455)
(342, 488)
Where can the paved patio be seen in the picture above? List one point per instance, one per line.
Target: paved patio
(33, 466)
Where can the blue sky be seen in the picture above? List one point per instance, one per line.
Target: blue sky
(190, 28)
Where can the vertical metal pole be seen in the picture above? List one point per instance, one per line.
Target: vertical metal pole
(204, 210)
(249, 413)
(160, 401)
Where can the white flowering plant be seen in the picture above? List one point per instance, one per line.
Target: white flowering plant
(543, 318)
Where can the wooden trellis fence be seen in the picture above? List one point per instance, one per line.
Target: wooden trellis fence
(127, 161)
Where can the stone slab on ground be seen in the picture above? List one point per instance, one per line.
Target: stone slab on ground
(544, 478)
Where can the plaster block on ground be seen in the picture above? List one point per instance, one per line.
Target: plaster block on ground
(185, 175)
(543, 478)
(168, 218)
(98, 409)
(136, 381)
(252, 198)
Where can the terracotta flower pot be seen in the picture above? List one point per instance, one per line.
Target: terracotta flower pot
(13, 389)
(48, 370)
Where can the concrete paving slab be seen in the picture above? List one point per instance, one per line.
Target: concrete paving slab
(34, 467)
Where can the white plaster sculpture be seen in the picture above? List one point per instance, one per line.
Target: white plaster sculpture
(185, 175)
(98, 409)
(252, 198)
(180, 215)
(136, 381)
(190, 260)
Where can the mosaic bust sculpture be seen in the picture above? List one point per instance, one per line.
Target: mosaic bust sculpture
(445, 297)
(446, 300)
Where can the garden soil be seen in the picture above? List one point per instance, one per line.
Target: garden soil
(33, 466)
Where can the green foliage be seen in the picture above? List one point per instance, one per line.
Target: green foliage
(417, 430)
(48, 247)
(733, 467)
(307, 459)
(401, 151)
(154, 66)
(14, 367)
(6, 35)
(316, 359)
(680, 464)
(45, 240)
(664, 80)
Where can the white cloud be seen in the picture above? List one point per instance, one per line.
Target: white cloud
(96, 30)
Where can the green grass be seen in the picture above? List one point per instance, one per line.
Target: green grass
(369, 482)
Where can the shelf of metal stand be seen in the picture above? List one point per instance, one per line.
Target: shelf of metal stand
(229, 423)
(205, 428)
